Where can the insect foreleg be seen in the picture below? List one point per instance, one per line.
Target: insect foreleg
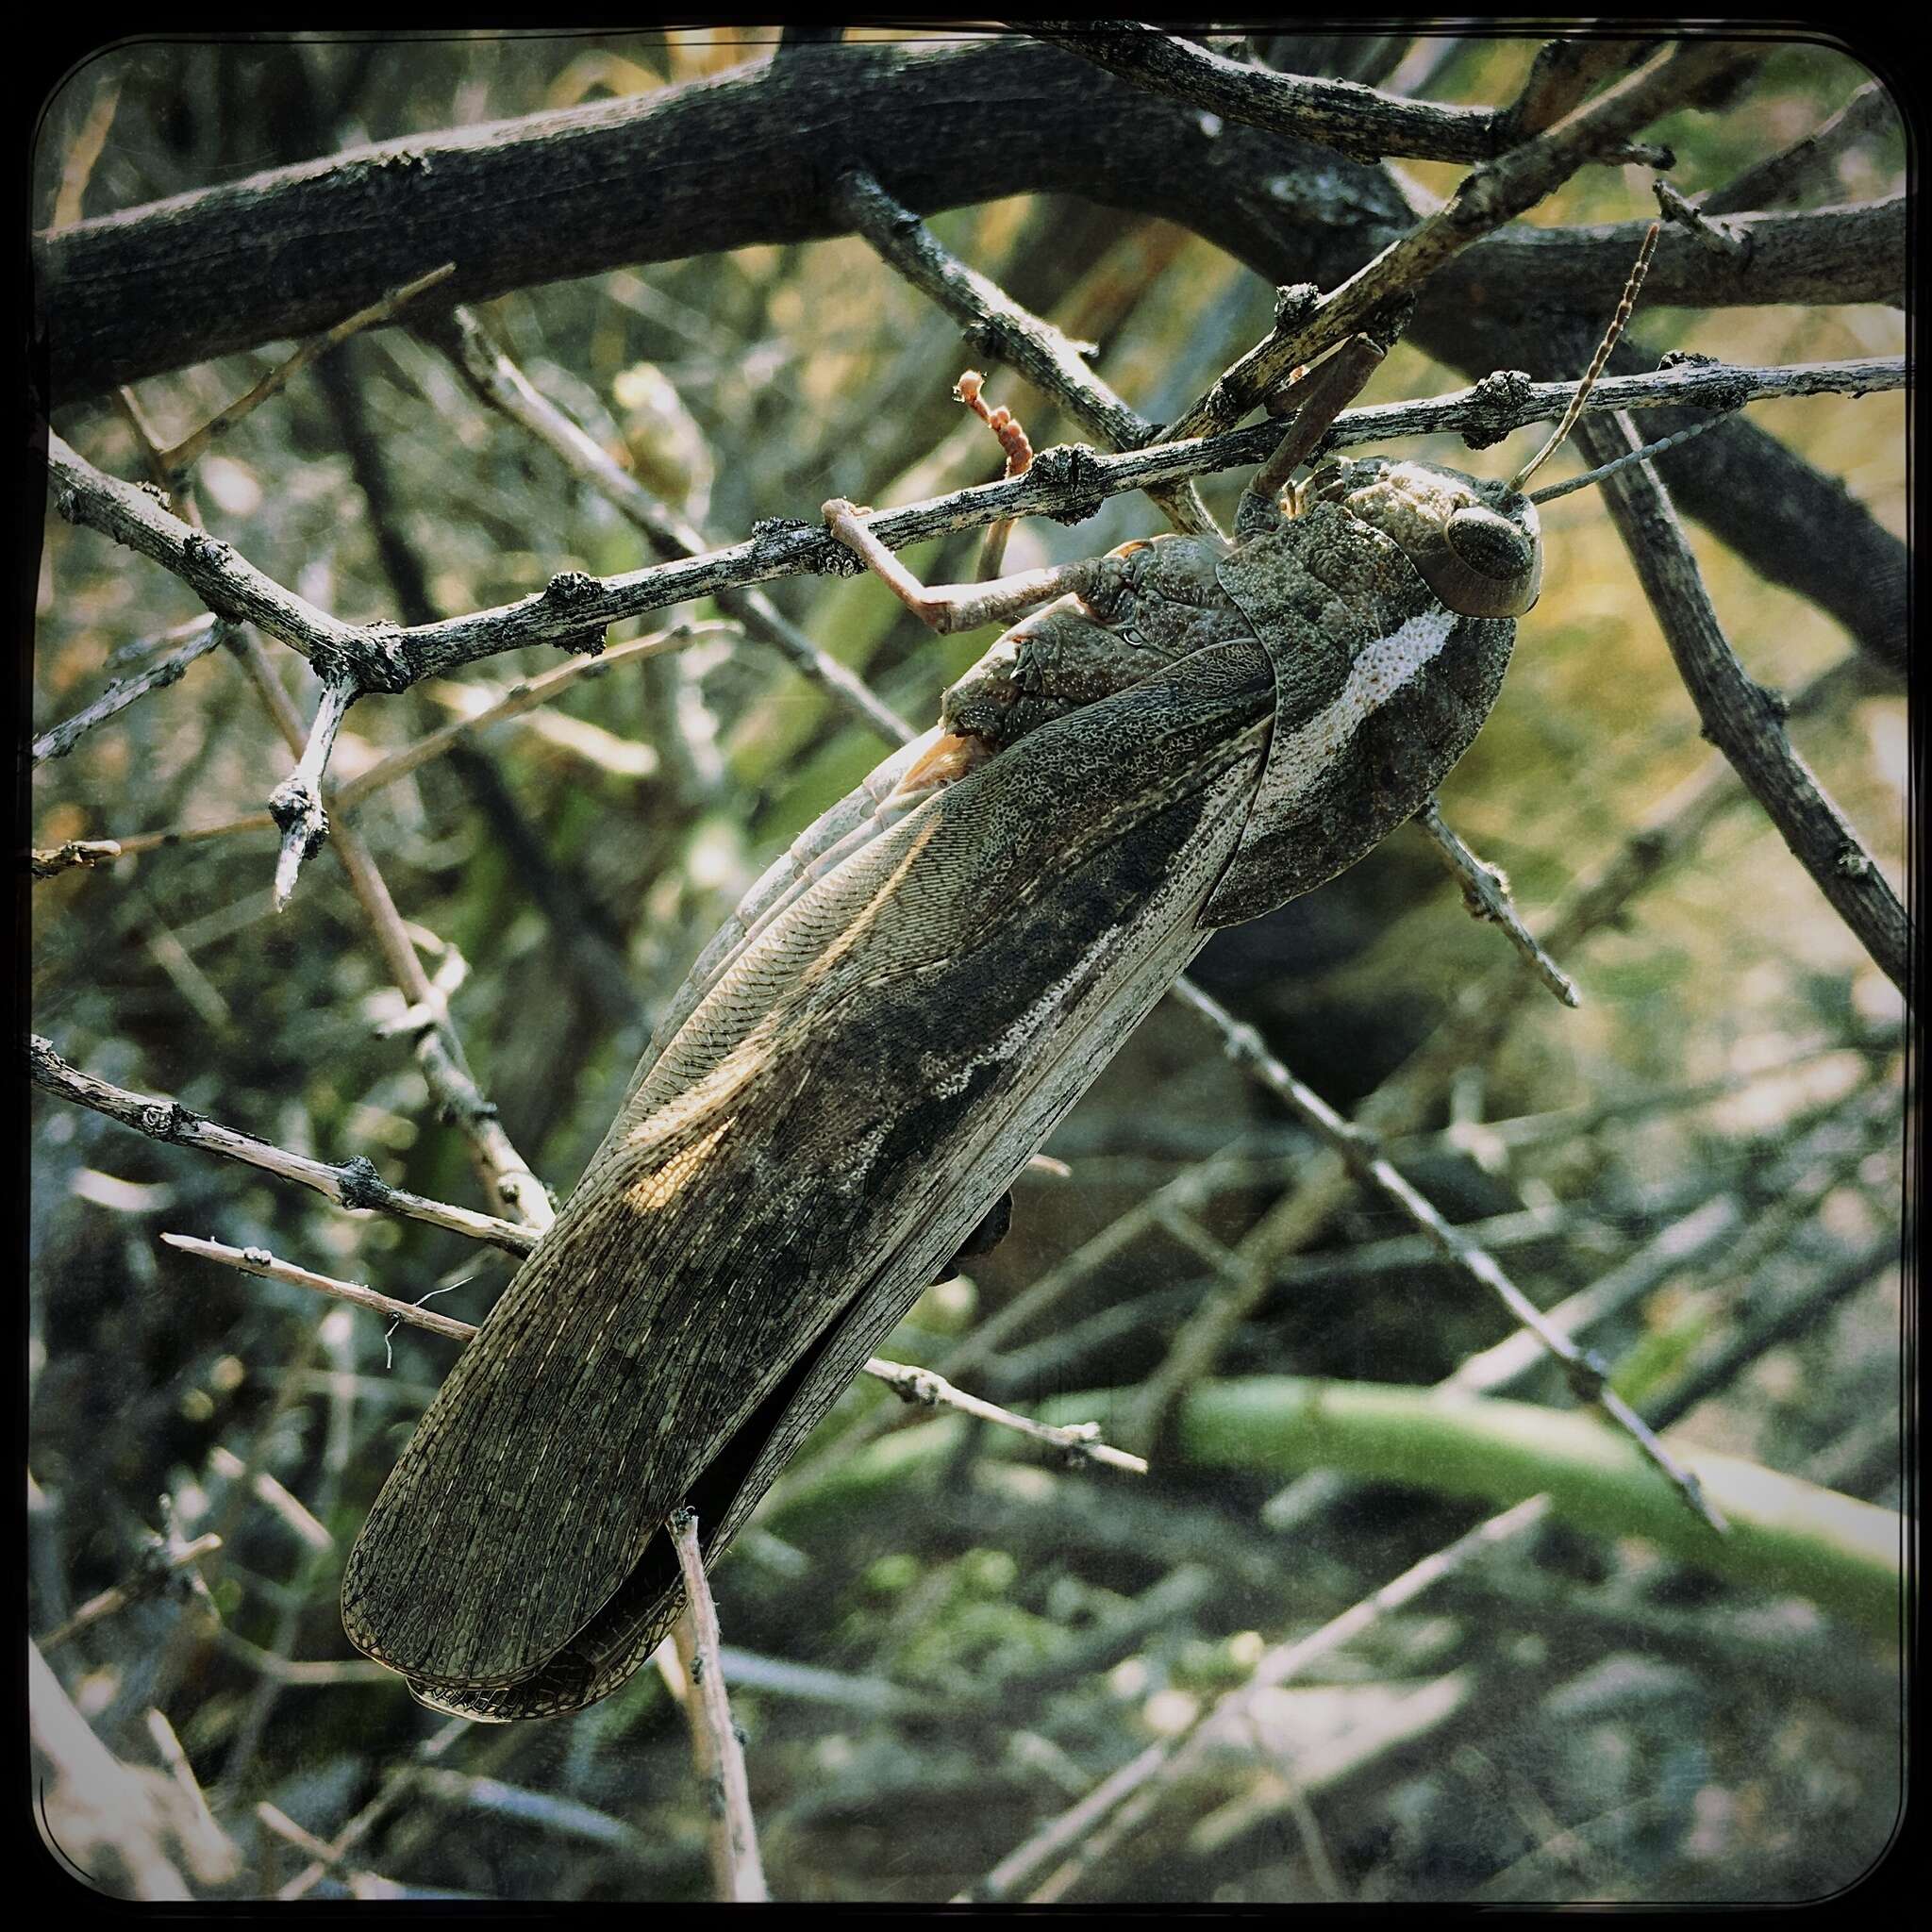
(1322, 394)
(957, 607)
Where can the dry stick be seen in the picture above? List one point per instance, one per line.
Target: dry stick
(715, 1742)
(1083, 1834)
(1078, 1442)
(268, 1489)
(203, 635)
(993, 322)
(524, 696)
(353, 1184)
(1492, 195)
(45, 862)
(1486, 893)
(1561, 75)
(439, 1052)
(150, 1575)
(574, 607)
(192, 447)
(1724, 242)
(168, 1748)
(85, 155)
(284, 1826)
(261, 1262)
(1740, 716)
(503, 386)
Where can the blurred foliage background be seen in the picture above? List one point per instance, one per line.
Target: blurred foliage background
(937, 1664)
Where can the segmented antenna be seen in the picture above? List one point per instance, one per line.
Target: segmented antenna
(1552, 491)
(1597, 361)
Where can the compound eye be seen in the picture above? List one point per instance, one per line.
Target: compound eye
(1490, 542)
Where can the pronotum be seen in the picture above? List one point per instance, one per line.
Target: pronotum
(1182, 734)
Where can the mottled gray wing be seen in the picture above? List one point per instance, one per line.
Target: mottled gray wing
(858, 1084)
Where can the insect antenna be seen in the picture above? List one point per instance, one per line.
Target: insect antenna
(1552, 491)
(1597, 361)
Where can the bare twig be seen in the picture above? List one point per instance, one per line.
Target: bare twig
(261, 1262)
(47, 862)
(525, 695)
(394, 1787)
(1561, 78)
(1079, 1443)
(994, 322)
(1724, 242)
(84, 155)
(306, 1526)
(521, 698)
(716, 1746)
(1806, 164)
(1743, 719)
(439, 1051)
(354, 1184)
(500, 383)
(203, 635)
(301, 1674)
(278, 1822)
(1341, 114)
(1486, 893)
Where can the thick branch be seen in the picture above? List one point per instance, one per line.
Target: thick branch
(573, 193)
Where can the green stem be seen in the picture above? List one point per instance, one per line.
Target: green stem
(1785, 1534)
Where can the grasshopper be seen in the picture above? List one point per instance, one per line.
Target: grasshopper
(1182, 734)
